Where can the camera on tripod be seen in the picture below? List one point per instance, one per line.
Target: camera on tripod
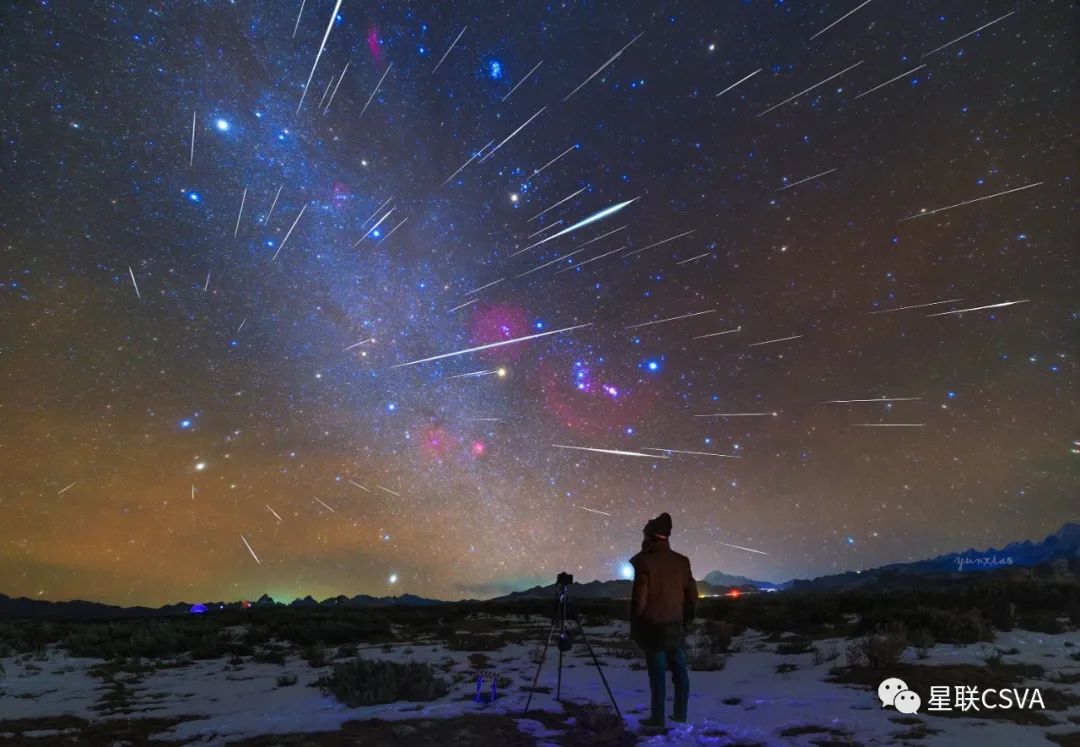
(564, 579)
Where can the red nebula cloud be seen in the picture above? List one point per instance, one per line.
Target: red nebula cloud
(498, 322)
(373, 43)
(593, 412)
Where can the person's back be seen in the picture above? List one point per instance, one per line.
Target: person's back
(662, 604)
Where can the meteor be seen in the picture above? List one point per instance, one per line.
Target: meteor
(324, 505)
(802, 181)
(250, 550)
(560, 202)
(737, 415)
(287, 235)
(358, 344)
(769, 342)
(616, 452)
(739, 547)
(302, 3)
(132, 273)
(599, 69)
(811, 88)
(658, 243)
(191, 158)
(979, 308)
(370, 230)
(505, 140)
(526, 77)
(580, 224)
(322, 46)
(273, 512)
(243, 199)
(838, 20)
(482, 287)
(332, 95)
(545, 228)
(377, 211)
(925, 212)
(670, 319)
(748, 77)
(694, 259)
(593, 510)
(915, 306)
(492, 345)
(376, 89)
(890, 425)
(462, 306)
(878, 399)
(272, 204)
(448, 50)
(553, 160)
(206, 285)
(891, 80)
(388, 490)
(717, 334)
(384, 238)
(366, 490)
(591, 259)
(66, 489)
(697, 453)
(965, 36)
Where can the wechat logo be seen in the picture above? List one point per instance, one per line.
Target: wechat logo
(894, 692)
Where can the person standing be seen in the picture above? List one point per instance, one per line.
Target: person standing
(662, 606)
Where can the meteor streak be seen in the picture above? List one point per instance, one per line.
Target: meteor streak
(979, 308)
(599, 69)
(440, 62)
(591, 259)
(670, 319)
(891, 80)
(915, 306)
(379, 223)
(838, 20)
(545, 228)
(243, 199)
(968, 202)
(878, 399)
(740, 547)
(273, 512)
(662, 241)
(132, 273)
(811, 88)
(526, 77)
(593, 510)
(287, 235)
(492, 345)
(272, 204)
(616, 452)
(802, 181)
(769, 342)
(250, 550)
(717, 334)
(737, 415)
(965, 36)
(507, 138)
(61, 492)
(376, 89)
(388, 490)
(322, 46)
(890, 425)
(462, 306)
(560, 202)
(580, 224)
(366, 490)
(748, 77)
(324, 505)
(482, 287)
(553, 160)
(332, 95)
(191, 158)
(698, 453)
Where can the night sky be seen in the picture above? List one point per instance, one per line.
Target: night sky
(209, 385)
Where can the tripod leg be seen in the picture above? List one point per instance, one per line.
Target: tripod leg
(599, 668)
(543, 656)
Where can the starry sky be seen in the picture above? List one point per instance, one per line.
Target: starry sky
(219, 284)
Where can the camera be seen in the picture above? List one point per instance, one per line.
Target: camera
(564, 579)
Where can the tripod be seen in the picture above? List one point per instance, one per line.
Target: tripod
(564, 612)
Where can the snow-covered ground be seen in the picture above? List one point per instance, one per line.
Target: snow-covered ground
(746, 702)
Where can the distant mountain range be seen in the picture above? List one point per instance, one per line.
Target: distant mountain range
(1060, 550)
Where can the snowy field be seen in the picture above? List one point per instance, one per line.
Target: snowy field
(759, 697)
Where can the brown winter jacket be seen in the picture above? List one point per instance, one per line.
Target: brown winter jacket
(664, 596)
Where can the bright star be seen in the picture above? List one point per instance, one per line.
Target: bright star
(393, 578)
(222, 125)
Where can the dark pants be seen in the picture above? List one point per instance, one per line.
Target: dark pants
(658, 662)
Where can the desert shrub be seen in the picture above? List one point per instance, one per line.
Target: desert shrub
(879, 650)
(269, 655)
(315, 654)
(363, 682)
(704, 660)
(922, 640)
(479, 661)
(347, 651)
(209, 646)
(717, 635)
(284, 680)
(600, 726)
(823, 654)
(796, 645)
(475, 642)
(1040, 622)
